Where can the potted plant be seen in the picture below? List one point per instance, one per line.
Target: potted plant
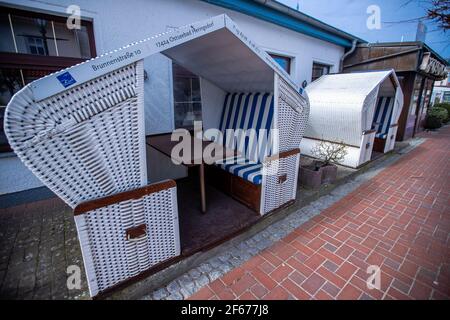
(323, 170)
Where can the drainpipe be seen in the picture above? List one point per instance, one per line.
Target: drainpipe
(341, 64)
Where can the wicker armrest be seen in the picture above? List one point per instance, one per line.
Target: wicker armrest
(284, 154)
(123, 196)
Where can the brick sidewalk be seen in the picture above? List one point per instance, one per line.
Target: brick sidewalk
(399, 220)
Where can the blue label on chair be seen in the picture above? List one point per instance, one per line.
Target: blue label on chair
(66, 79)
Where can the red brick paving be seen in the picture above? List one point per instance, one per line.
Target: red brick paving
(399, 220)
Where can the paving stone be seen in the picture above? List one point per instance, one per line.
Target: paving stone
(175, 296)
(160, 294)
(214, 274)
(202, 281)
(205, 267)
(195, 273)
(173, 287)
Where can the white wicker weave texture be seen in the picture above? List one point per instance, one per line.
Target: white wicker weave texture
(84, 142)
(111, 258)
(293, 112)
(277, 194)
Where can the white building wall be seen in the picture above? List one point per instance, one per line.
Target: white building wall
(118, 23)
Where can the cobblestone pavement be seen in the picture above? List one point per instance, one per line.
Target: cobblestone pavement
(38, 241)
(399, 220)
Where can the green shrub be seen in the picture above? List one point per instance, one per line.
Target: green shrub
(439, 113)
(446, 106)
(432, 122)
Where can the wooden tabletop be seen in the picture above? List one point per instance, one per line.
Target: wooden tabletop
(165, 145)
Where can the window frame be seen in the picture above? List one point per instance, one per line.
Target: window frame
(191, 76)
(26, 61)
(88, 23)
(321, 64)
(285, 57)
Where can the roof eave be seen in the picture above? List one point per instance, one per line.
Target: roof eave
(279, 14)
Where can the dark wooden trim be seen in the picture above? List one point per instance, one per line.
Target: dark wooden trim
(57, 17)
(155, 135)
(282, 178)
(136, 232)
(382, 58)
(238, 188)
(393, 125)
(345, 144)
(284, 154)
(283, 206)
(366, 132)
(378, 145)
(123, 196)
(91, 36)
(34, 62)
(61, 18)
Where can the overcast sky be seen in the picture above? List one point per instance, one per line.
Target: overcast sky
(351, 16)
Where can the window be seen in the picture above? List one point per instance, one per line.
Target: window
(186, 94)
(40, 34)
(416, 94)
(446, 97)
(36, 46)
(283, 61)
(33, 45)
(319, 70)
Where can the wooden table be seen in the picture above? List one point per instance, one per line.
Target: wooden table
(165, 145)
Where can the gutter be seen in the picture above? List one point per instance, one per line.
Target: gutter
(345, 55)
(279, 14)
(308, 19)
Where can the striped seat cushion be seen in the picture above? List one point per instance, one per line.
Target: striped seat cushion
(383, 116)
(247, 111)
(244, 168)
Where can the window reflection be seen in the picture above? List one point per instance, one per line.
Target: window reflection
(41, 36)
(187, 99)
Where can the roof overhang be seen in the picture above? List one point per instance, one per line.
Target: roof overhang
(215, 49)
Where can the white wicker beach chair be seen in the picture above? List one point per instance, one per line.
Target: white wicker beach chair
(360, 110)
(279, 186)
(85, 144)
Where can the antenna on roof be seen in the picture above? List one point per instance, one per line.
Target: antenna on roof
(298, 6)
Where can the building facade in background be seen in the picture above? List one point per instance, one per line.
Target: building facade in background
(417, 67)
(441, 91)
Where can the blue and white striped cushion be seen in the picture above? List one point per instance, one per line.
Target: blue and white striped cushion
(244, 168)
(248, 111)
(383, 115)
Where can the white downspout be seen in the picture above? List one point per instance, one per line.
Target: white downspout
(341, 63)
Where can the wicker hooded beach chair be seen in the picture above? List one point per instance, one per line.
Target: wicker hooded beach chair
(81, 132)
(85, 143)
(360, 110)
